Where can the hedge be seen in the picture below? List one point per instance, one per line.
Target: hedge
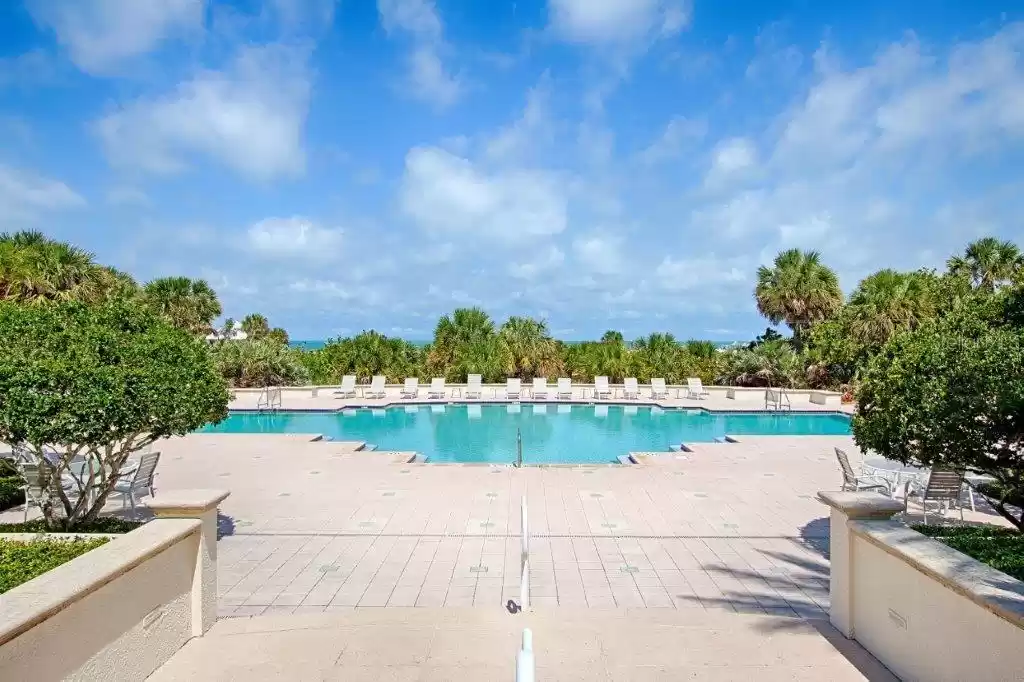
(1000, 548)
(21, 561)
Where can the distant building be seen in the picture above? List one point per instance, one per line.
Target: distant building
(236, 334)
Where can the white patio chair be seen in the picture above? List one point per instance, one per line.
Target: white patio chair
(139, 481)
(695, 389)
(36, 476)
(348, 386)
(411, 388)
(564, 388)
(943, 486)
(853, 482)
(540, 387)
(437, 389)
(601, 389)
(630, 388)
(376, 389)
(658, 389)
(474, 386)
(513, 388)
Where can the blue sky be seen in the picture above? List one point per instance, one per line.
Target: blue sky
(628, 164)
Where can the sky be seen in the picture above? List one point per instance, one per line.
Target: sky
(341, 165)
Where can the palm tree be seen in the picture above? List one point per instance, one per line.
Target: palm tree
(36, 269)
(255, 326)
(987, 262)
(454, 336)
(188, 304)
(797, 290)
(526, 350)
(886, 302)
(612, 336)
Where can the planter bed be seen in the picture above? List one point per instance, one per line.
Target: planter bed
(1000, 548)
(21, 560)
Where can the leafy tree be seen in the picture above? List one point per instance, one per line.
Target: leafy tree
(612, 336)
(769, 335)
(255, 326)
(100, 381)
(278, 335)
(988, 263)
(264, 362)
(188, 304)
(798, 290)
(457, 337)
(773, 363)
(951, 394)
(526, 350)
(368, 354)
(35, 269)
(702, 350)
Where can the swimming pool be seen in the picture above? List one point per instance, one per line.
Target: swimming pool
(563, 434)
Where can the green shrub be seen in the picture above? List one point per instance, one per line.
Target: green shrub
(1000, 548)
(104, 524)
(21, 561)
(11, 492)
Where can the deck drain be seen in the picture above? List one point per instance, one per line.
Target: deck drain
(367, 524)
(805, 497)
(390, 493)
(588, 472)
(314, 472)
(477, 569)
(224, 474)
(768, 474)
(596, 495)
(492, 495)
(487, 524)
(328, 568)
(609, 525)
(404, 471)
(629, 569)
(284, 494)
(730, 525)
(700, 494)
(243, 524)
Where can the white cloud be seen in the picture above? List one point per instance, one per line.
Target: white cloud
(601, 254)
(531, 129)
(250, 117)
(445, 193)
(731, 159)
(126, 195)
(670, 143)
(542, 262)
(100, 33)
(701, 273)
(428, 78)
(24, 195)
(294, 237)
(616, 21)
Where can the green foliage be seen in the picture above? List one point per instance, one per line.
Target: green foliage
(798, 290)
(22, 561)
(988, 263)
(103, 524)
(258, 363)
(255, 326)
(11, 491)
(278, 335)
(1000, 548)
(105, 380)
(773, 363)
(366, 355)
(187, 304)
(950, 394)
(35, 269)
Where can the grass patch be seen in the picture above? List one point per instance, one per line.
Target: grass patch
(1000, 548)
(22, 561)
(106, 524)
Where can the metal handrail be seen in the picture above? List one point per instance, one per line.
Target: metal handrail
(519, 448)
(524, 659)
(524, 582)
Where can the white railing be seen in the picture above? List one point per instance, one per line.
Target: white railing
(524, 659)
(269, 399)
(524, 582)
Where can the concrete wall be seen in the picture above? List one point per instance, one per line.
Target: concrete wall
(925, 610)
(120, 611)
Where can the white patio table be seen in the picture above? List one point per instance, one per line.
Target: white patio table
(898, 473)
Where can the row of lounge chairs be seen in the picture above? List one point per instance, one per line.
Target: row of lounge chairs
(540, 389)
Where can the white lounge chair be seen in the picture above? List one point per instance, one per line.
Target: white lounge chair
(601, 389)
(658, 389)
(855, 483)
(695, 389)
(564, 388)
(540, 387)
(411, 388)
(437, 389)
(943, 486)
(376, 389)
(139, 481)
(513, 387)
(474, 386)
(630, 388)
(348, 386)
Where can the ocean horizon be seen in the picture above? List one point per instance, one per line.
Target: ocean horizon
(316, 344)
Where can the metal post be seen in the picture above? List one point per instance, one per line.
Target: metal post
(524, 660)
(519, 448)
(524, 557)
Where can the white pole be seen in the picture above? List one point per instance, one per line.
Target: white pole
(524, 584)
(524, 660)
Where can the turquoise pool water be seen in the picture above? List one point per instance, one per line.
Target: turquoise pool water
(551, 433)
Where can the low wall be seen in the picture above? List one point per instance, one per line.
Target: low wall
(925, 610)
(117, 612)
